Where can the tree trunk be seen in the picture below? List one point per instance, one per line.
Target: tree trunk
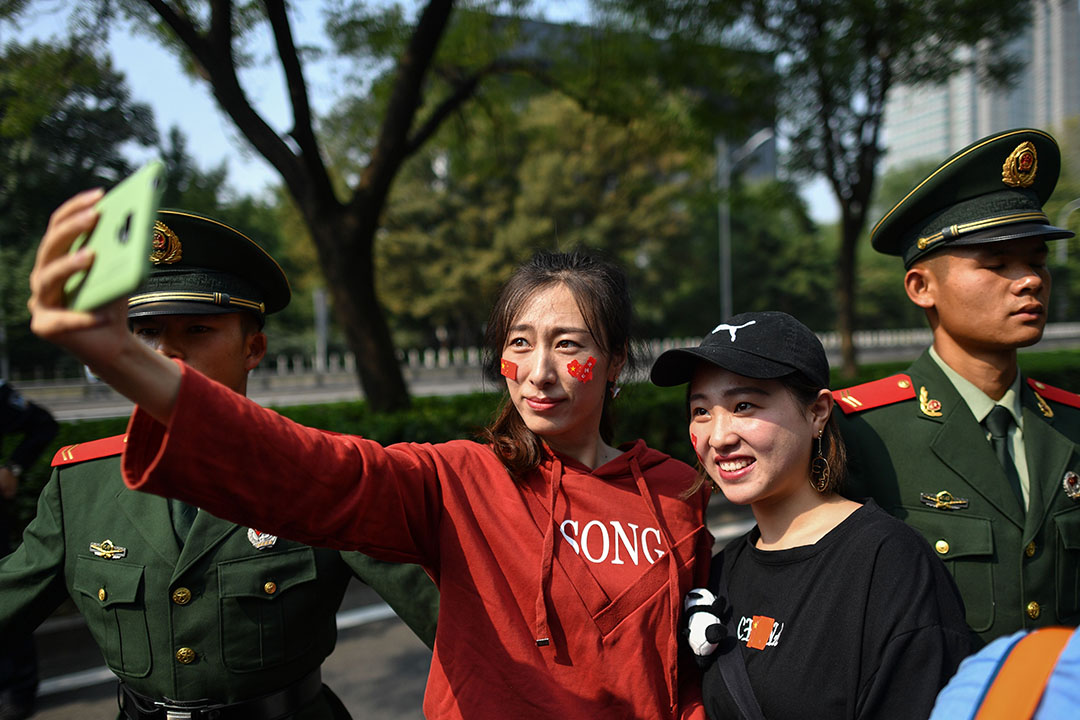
(344, 244)
(850, 227)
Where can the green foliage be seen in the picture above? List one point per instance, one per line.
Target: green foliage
(881, 300)
(66, 118)
(780, 259)
(1062, 209)
(543, 172)
(657, 415)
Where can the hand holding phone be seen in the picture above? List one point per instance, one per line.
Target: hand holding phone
(121, 241)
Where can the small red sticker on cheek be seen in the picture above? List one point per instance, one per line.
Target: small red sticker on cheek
(693, 440)
(508, 369)
(581, 372)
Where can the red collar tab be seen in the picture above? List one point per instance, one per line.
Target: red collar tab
(81, 452)
(1056, 394)
(874, 394)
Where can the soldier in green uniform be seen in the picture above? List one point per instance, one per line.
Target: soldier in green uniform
(199, 618)
(982, 460)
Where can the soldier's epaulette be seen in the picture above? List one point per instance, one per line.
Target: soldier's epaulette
(81, 452)
(874, 394)
(1056, 394)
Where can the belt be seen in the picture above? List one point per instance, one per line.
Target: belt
(275, 706)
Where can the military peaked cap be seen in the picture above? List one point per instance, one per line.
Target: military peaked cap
(205, 267)
(992, 190)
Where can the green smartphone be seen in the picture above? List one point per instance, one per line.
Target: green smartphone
(121, 240)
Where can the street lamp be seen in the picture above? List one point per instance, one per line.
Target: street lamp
(726, 161)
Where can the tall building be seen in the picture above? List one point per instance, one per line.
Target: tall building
(930, 122)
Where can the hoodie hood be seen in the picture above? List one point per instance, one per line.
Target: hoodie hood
(629, 470)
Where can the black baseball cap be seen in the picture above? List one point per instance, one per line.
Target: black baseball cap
(762, 345)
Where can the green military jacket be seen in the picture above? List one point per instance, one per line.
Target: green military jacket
(218, 618)
(926, 460)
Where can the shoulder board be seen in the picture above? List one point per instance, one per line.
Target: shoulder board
(1056, 394)
(874, 394)
(81, 452)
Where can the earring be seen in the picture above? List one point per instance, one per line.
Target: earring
(819, 469)
(615, 389)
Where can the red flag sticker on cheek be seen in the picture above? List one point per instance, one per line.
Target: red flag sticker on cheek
(582, 372)
(508, 369)
(693, 441)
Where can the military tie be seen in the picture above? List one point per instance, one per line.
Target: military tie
(998, 423)
(183, 517)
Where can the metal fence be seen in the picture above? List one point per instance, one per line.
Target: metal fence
(872, 346)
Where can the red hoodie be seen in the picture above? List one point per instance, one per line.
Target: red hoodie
(571, 613)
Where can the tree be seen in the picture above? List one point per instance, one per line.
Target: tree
(438, 66)
(65, 117)
(838, 60)
(552, 175)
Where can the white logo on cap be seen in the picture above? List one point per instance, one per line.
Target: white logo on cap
(732, 329)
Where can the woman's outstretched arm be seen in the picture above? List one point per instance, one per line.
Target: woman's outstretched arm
(100, 339)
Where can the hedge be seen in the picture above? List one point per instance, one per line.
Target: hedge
(655, 414)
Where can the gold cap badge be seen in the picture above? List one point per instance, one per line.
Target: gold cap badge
(1020, 167)
(167, 248)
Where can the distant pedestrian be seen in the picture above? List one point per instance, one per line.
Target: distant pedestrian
(36, 429)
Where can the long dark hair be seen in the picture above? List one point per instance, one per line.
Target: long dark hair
(599, 286)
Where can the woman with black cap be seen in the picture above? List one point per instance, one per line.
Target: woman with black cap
(828, 608)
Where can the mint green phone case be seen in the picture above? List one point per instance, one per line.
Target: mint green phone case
(121, 241)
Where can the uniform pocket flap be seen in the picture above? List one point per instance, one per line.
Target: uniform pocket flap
(951, 533)
(109, 581)
(1068, 526)
(266, 576)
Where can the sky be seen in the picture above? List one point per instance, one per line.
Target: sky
(156, 78)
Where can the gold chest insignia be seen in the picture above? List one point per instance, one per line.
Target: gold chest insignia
(929, 407)
(260, 540)
(1044, 407)
(1020, 167)
(943, 500)
(107, 550)
(166, 245)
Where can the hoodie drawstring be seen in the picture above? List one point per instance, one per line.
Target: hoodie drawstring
(674, 594)
(543, 632)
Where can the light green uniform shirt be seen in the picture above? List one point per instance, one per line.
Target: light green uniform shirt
(981, 404)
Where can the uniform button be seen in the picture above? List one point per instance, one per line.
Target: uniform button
(101, 595)
(941, 546)
(185, 656)
(1033, 610)
(1030, 549)
(270, 588)
(181, 596)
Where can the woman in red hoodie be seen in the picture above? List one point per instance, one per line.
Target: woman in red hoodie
(561, 559)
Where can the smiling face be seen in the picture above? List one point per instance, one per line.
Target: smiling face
(545, 338)
(752, 436)
(990, 297)
(223, 347)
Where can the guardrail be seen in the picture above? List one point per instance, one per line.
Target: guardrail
(431, 363)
